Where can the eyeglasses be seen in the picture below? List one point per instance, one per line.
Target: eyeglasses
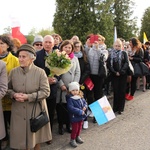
(38, 44)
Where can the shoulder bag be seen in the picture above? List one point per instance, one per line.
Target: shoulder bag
(37, 122)
(102, 71)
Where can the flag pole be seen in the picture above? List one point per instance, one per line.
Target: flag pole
(115, 34)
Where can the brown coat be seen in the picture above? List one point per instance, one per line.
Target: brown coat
(3, 90)
(29, 81)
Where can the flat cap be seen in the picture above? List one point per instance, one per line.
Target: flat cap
(26, 47)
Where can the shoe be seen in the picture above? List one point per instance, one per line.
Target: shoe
(49, 142)
(73, 143)
(126, 96)
(130, 98)
(119, 112)
(94, 120)
(144, 89)
(91, 115)
(85, 125)
(61, 131)
(79, 140)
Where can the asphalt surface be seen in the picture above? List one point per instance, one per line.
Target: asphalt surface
(128, 131)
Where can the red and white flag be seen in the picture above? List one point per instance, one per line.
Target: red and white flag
(16, 30)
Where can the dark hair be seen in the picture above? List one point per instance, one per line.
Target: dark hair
(66, 42)
(82, 50)
(147, 43)
(136, 43)
(8, 41)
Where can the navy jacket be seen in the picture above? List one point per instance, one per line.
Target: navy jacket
(75, 106)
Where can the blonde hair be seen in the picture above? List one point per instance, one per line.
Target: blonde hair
(80, 93)
(102, 37)
(119, 42)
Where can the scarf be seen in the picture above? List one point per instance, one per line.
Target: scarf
(71, 55)
(116, 56)
(78, 54)
(4, 55)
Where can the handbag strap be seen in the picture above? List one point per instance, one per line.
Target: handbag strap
(34, 106)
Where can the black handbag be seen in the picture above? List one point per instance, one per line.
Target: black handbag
(144, 68)
(39, 121)
(137, 70)
(102, 71)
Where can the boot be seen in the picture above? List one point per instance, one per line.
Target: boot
(79, 140)
(73, 143)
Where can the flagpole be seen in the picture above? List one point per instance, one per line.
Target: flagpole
(115, 34)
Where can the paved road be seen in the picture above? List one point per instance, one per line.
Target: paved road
(129, 131)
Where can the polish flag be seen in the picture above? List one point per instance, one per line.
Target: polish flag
(16, 30)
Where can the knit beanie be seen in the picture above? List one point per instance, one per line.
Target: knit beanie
(37, 38)
(73, 86)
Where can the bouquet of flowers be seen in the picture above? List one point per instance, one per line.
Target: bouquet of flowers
(58, 63)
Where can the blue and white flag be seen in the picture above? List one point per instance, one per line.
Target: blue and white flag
(102, 111)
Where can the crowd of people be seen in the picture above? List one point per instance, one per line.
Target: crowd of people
(24, 74)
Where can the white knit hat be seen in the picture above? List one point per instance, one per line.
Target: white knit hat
(73, 86)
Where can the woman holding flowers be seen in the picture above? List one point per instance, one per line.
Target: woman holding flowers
(73, 75)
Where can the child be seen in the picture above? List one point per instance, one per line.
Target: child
(77, 106)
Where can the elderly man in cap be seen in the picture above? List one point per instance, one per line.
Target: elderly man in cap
(24, 83)
(48, 44)
(37, 43)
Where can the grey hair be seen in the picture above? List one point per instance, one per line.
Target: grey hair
(31, 55)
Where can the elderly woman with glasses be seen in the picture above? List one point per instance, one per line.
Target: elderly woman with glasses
(23, 84)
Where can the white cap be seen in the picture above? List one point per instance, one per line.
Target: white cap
(73, 86)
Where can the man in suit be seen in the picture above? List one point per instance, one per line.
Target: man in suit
(48, 44)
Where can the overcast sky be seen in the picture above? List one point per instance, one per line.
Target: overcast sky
(39, 13)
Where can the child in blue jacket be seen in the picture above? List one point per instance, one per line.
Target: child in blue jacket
(77, 106)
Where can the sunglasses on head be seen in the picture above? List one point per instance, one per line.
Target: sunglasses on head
(38, 44)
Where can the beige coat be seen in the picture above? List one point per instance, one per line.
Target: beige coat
(3, 90)
(28, 81)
